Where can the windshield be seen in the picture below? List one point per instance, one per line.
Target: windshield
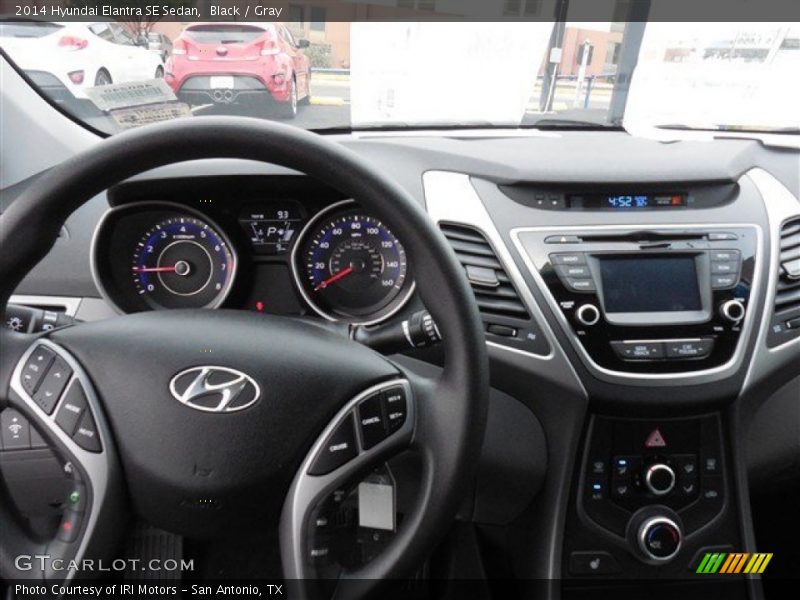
(325, 75)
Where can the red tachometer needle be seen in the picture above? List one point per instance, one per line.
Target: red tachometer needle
(343, 273)
(155, 269)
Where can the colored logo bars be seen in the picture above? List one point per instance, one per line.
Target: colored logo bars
(735, 562)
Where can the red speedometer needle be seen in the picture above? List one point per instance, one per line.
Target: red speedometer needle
(155, 269)
(341, 274)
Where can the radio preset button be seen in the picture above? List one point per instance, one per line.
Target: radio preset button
(568, 259)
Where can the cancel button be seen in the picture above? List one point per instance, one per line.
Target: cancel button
(689, 348)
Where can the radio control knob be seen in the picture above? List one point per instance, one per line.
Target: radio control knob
(587, 314)
(659, 538)
(659, 479)
(732, 310)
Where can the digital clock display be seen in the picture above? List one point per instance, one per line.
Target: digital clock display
(624, 202)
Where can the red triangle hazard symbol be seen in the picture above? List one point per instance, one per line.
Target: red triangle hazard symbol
(655, 440)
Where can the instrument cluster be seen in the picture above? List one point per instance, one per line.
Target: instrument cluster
(278, 257)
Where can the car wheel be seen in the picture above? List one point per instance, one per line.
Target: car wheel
(103, 77)
(288, 109)
(160, 73)
(306, 100)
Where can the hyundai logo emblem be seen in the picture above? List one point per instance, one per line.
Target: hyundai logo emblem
(214, 389)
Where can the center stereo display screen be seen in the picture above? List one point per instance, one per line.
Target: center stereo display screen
(649, 284)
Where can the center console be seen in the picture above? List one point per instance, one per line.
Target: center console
(648, 301)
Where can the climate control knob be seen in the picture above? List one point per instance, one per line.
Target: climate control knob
(659, 479)
(659, 538)
(732, 310)
(587, 314)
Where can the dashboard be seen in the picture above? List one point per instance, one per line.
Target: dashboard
(626, 287)
(240, 244)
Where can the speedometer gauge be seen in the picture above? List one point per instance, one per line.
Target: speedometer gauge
(349, 266)
(182, 262)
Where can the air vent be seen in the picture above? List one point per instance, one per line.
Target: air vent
(494, 292)
(787, 296)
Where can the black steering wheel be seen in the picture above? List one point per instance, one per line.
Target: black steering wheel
(195, 472)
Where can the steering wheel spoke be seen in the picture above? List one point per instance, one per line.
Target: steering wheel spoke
(375, 425)
(52, 392)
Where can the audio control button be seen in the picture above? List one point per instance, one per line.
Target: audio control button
(721, 282)
(689, 348)
(588, 314)
(732, 310)
(638, 350)
(577, 258)
(581, 285)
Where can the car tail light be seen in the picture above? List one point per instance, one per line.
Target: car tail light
(279, 78)
(179, 47)
(270, 44)
(72, 42)
(76, 76)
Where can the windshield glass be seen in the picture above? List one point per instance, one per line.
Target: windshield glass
(338, 75)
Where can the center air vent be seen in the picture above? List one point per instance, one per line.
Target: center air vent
(788, 293)
(494, 292)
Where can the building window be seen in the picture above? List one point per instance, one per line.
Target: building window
(295, 13)
(612, 53)
(317, 18)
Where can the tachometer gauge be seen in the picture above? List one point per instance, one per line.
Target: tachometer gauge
(349, 266)
(182, 262)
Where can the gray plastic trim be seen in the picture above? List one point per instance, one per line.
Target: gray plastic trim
(450, 197)
(70, 304)
(308, 490)
(781, 205)
(96, 465)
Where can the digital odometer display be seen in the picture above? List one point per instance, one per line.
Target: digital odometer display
(350, 266)
(624, 202)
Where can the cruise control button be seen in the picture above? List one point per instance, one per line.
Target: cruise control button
(721, 282)
(71, 409)
(638, 350)
(339, 448)
(689, 348)
(86, 435)
(76, 497)
(724, 268)
(396, 409)
(52, 385)
(568, 259)
(371, 422)
(35, 368)
(15, 431)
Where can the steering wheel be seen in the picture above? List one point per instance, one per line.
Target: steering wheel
(100, 392)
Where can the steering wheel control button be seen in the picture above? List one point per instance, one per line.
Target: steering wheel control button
(659, 479)
(659, 538)
(72, 408)
(396, 409)
(86, 435)
(52, 385)
(339, 448)
(371, 421)
(15, 431)
(35, 368)
(70, 526)
(593, 563)
(76, 498)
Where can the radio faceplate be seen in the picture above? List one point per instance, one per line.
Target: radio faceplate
(649, 301)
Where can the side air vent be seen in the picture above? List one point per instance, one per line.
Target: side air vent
(494, 292)
(788, 293)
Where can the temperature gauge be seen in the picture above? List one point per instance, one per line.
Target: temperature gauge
(271, 227)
